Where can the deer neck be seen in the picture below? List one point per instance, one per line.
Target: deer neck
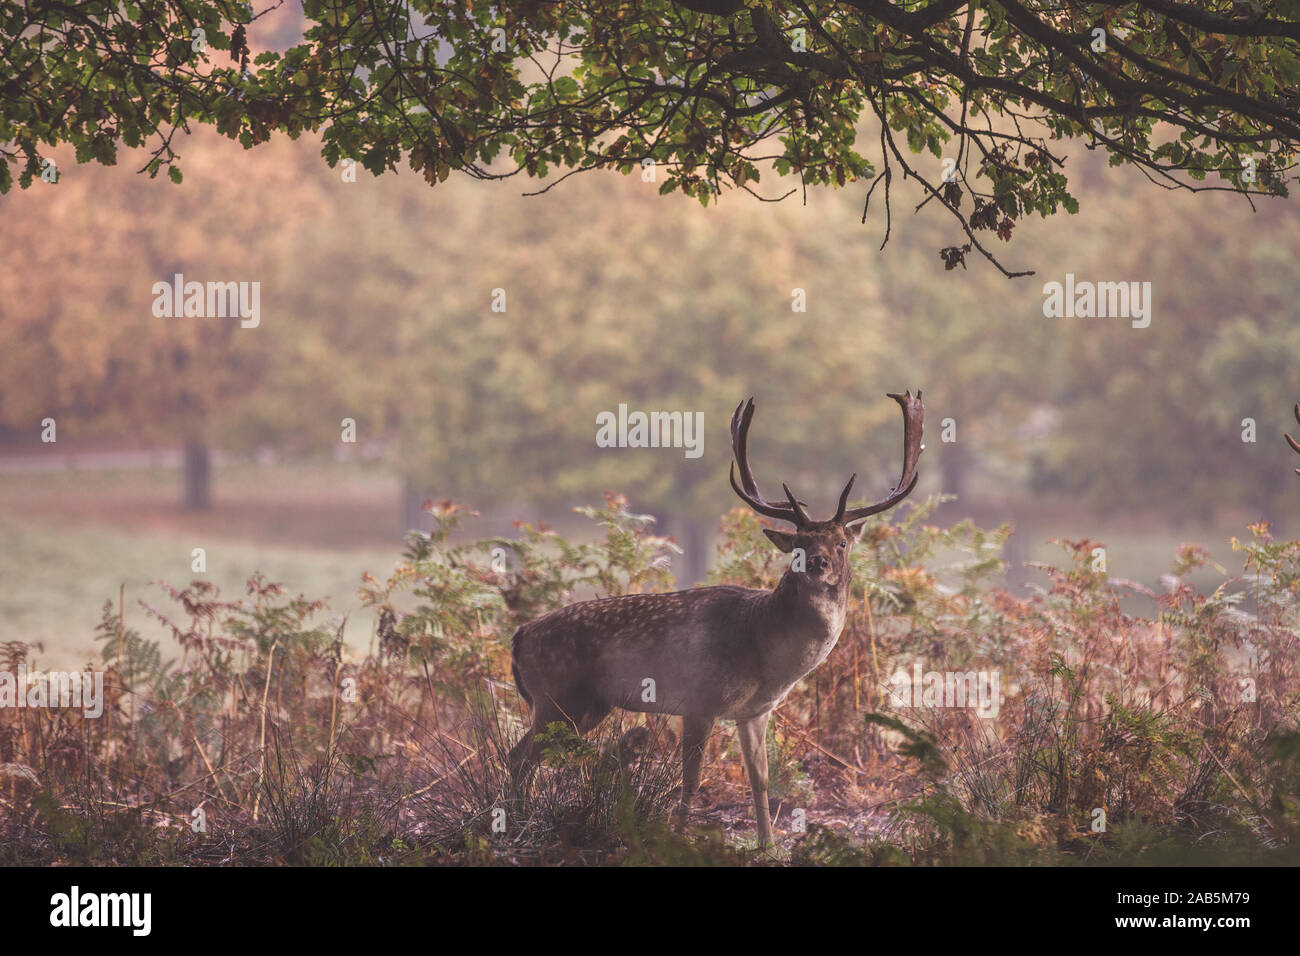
(806, 617)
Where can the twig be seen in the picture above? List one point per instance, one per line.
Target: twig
(261, 759)
(790, 725)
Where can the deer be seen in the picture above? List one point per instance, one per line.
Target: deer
(706, 653)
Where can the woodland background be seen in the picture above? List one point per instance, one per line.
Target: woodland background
(376, 301)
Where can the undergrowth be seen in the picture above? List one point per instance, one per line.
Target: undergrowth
(258, 736)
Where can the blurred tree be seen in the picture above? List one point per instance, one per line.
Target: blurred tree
(377, 305)
(79, 339)
(631, 309)
(1159, 421)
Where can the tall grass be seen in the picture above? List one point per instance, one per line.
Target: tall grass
(259, 736)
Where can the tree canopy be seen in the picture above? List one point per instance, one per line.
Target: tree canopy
(971, 100)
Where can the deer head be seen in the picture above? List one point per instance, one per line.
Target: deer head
(825, 544)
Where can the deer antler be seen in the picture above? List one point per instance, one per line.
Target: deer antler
(748, 487)
(1291, 441)
(913, 421)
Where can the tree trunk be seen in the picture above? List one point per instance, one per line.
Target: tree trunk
(196, 477)
(692, 565)
(410, 516)
(954, 468)
(1014, 554)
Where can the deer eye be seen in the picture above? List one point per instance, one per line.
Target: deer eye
(843, 545)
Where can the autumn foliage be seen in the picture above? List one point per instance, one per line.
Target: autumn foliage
(264, 734)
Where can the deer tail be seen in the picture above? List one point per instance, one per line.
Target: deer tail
(514, 668)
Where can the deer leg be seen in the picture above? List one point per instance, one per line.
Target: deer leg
(521, 759)
(523, 755)
(591, 718)
(753, 745)
(695, 734)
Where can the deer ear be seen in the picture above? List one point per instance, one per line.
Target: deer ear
(782, 539)
(855, 533)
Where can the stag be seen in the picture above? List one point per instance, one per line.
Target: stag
(708, 653)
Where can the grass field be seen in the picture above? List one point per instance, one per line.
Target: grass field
(72, 538)
(407, 767)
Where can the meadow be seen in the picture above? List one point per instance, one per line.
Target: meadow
(326, 694)
(74, 538)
